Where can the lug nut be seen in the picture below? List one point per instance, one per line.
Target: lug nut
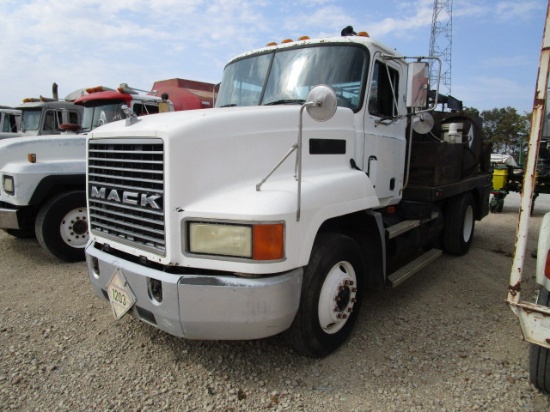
(354, 289)
(344, 316)
(353, 300)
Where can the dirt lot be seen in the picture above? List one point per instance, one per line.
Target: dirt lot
(444, 341)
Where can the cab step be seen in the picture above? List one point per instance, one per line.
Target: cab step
(406, 225)
(411, 268)
(401, 228)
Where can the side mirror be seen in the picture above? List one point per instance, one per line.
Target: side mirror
(321, 103)
(417, 85)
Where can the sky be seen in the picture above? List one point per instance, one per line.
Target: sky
(494, 55)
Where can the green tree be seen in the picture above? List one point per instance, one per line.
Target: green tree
(507, 130)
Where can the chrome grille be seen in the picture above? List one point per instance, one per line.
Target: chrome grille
(126, 191)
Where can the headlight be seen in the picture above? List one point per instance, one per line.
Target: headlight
(8, 185)
(256, 241)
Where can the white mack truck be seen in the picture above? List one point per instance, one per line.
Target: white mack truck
(43, 178)
(321, 172)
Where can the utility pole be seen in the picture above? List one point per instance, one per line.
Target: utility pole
(441, 41)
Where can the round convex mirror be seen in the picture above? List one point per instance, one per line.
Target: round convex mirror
(325, 101)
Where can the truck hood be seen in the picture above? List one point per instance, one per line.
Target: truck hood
(214, 151)
(46, 148)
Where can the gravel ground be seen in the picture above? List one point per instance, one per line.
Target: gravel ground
(443, 341)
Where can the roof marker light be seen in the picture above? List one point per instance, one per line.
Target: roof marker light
(94, 89)
(270, 44)
(303, 38)
(287, 41)
(363, 34)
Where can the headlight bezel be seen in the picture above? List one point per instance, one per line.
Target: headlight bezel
(8, 184)
(261, 242)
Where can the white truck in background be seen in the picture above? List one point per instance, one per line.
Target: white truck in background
(321, 171)
(43, 177)
(46, 115)
(534, 318)
(39, 116)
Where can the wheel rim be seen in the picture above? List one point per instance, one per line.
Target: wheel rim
(74, 228)
(468, 224)
(337, 298)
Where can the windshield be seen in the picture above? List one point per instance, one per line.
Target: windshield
(102, 113)
(31, 119)
(287, 76)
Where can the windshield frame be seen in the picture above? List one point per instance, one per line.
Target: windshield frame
(34, 114)
(95, 113)
(270, 71)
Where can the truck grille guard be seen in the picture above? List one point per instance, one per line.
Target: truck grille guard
(126, 190)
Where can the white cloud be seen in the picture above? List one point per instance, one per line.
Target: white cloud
(90, 42)
(510, 11)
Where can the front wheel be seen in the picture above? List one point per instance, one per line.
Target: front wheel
(332, 292)
(539, 357)
(459, 224)
(62, 226)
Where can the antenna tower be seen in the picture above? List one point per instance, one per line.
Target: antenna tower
(441, 42)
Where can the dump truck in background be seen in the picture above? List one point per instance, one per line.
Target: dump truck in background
(323, 170)
(43, 178)
(187, 94)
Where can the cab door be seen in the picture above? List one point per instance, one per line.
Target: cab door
(384, 133)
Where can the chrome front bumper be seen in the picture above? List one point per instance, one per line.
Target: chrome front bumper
(202, 306)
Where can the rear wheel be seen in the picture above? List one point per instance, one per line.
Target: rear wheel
(539, 357)
(332, 292)
(459, 225)
(62, 226)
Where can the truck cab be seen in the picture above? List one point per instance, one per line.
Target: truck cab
(103, 105)
(45, 116)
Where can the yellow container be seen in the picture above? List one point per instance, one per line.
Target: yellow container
(499, 178)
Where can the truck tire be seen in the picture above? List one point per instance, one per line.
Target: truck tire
(459, 224)
(332, 292)
(539, 357)
(62, 226)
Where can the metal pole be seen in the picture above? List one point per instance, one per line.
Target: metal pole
(529, 180)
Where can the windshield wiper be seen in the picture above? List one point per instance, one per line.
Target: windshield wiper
(229, 105)
(285, 101)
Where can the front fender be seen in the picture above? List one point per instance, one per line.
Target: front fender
(329, 196)
(33, 182)
(323, 197)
